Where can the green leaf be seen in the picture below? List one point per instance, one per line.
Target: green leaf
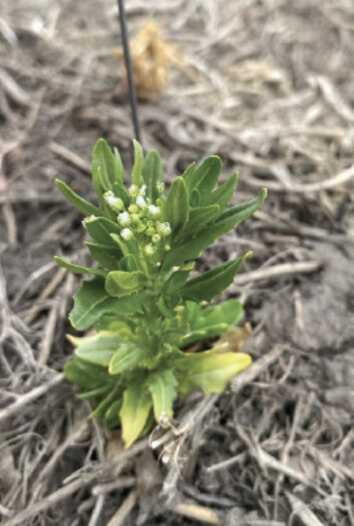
(209, 370)
(188, 173)
(78, 269)
(100, 229)
(213, 321)
(80, 203)
(162, 386)
(118, 169)
(244, 210)
(98, 349)
(176, 207)
(109, 164)
(92, 301)
(205, 177)
(126, 358)
(105, 255)
(111, 416)
(94, 393)
(137, 177)
(128, 263)
(223, 194)
(120, 283)
(136, 407)
(199, 218)
(213, 282)
(85, 375)
(152, 174)
(226, 221)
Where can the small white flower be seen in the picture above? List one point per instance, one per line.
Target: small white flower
(140, 201)
(142, 190)
(126, 234)
(156, 238)
(133, 190)
(167, 247)
(124, 219)
(149, 249)
(133, 209)
(154, 210)
(164, 228)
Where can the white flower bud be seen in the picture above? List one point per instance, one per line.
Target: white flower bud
(160, 187)
(126, 234)
(140, 201)
(133, 209)
(150, 231)
(114, 202)
(164, 228)
(154, 210)
(124, 219)
(156, 238)
(142, 190)
(133, 190)
(149, 249)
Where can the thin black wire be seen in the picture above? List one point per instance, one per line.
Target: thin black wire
(129, 68)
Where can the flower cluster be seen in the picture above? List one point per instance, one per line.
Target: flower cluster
(141, 219)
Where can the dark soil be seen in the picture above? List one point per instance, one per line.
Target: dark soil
(269, 86)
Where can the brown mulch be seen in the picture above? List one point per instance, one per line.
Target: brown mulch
(269, 86)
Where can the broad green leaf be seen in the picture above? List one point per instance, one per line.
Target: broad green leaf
(176, 207)
(213, 282)
(137, 177)
(230, 312)
(78, 269)
(120, 283)
(193, 248)
(85, 375)
(110, 164)
(100, 229)
(209, 370)
(205, 177)
(80, 203)
(105, 255)
(223, 194)
(152, 174)
(126, 358)
(92, 301)
(136, 407)
(98, 349)
(162, 386)
(213, 321)
(111, 416)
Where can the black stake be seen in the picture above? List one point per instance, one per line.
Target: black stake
(129, 68)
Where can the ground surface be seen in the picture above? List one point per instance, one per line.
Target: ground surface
(268, 85)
